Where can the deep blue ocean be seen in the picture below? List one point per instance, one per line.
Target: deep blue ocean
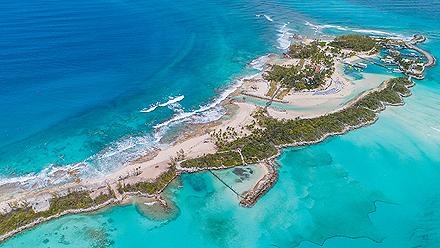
(74, 77)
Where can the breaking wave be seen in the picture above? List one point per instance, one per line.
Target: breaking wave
(109, 159)
(319, 28)
(186, 116)
(265, 16)
(172, 100)
(260, 62)
(284, 36)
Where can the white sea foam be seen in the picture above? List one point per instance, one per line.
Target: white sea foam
(260, 62)
(436, 129)
(50, 175)
(284, 36)
(127, 149)
(208, 116)
(268, 18)
(183, 116)
(172, 100)
(319, 28)
(115, 155)
(120, 152)
(265, 16)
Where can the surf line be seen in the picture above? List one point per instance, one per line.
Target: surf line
(171, 100)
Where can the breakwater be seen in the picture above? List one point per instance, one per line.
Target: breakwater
(249, 198)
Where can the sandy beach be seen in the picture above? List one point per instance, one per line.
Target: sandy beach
(338, 92)
(146, 168)
(331, 97)
(198, 142)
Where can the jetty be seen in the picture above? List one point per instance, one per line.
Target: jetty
(270, 99)
(412, 45)
(249, 198)
(430, 58)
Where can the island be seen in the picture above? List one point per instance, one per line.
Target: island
(300, 97)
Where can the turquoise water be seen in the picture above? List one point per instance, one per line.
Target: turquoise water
(75, 75)
(374, 187)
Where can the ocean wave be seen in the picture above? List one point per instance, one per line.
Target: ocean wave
(48, 176)
(129, 148)
(265, 16)
(260, 62)
(122, 151)
(172, 100)
(319, 28)
(208, 116)
(109, 159)
(284, 36)
(119, 153)
(184, 116)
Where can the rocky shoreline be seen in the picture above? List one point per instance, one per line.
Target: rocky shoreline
(38, 221)
(249, 198)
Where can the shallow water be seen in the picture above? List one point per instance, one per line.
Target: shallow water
(363, 81)
(374, 187)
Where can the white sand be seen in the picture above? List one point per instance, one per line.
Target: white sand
(149, 167)
(307, 104)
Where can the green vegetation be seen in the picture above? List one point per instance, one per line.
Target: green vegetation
(219, 159)
(272, 89)
(310, 75)
(358, 43)
(294, 77)
(407, 63)
(316, 63)
(268, 133)
(283, 93)
(314, 51)
(26, 215)
(150, 187)
(103, 198)
(391, 94)
(300, 51)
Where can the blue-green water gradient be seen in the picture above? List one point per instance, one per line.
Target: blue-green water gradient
(378, 186)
